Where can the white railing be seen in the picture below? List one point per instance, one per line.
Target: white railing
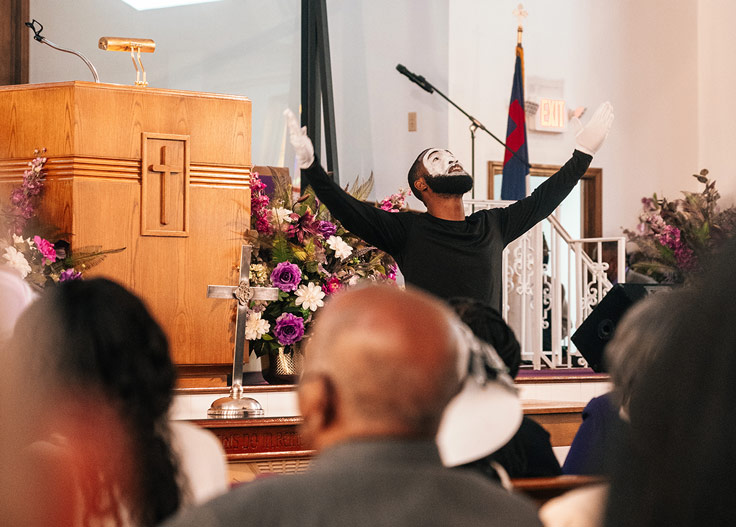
(536, 287)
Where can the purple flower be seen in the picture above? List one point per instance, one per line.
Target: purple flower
(302, 226)
(686, 259)
(16, 197)
(286, 276)
(669, 237)
(69, 274)
(289, 329)
(391, 275)
(327, 228)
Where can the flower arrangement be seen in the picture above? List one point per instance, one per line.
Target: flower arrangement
(674, 237)
(304, 252)
(22, 248)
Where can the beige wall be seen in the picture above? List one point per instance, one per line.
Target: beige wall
(667, 67)
(716, 82)
(640, 55)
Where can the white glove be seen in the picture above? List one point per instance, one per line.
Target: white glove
(591, 136)
(303, 147)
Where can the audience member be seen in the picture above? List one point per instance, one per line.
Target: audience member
(529, 453)
(677, 468)
(380, 368)
(15, 295)
(634, 346)
(100, 383)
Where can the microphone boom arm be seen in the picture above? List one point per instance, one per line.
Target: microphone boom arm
(475, 123)
(37, 36)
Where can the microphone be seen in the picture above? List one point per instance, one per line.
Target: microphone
(416, 79)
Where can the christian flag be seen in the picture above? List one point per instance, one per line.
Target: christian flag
(515, 169)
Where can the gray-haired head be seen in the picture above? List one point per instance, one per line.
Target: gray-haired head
(638, 342)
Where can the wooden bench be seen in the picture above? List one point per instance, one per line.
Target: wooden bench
(560, 419)
(543, 489)
(260, 445)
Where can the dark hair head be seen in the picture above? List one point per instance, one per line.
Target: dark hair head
(488, 325)
(676, 469)
(417, 171)
(95, 336)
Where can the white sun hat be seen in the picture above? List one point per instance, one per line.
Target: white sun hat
(487, 411)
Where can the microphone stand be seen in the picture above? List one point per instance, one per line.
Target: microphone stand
(475, 125)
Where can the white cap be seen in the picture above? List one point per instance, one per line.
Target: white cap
(486, 413)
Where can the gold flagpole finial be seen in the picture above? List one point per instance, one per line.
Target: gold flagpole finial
(520, 13)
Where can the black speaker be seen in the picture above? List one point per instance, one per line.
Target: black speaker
(598, 329)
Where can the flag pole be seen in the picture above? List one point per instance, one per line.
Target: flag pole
(515, 173)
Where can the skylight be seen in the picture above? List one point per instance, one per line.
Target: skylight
(143, 5)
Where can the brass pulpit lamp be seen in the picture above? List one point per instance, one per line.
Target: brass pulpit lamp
(136, 46)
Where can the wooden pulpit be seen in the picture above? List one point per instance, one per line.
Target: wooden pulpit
(163, 173)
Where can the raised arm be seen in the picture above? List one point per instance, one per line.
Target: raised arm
(383, 229)
(521, 216)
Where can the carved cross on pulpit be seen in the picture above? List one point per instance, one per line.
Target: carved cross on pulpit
(166, 171)
(237, 406)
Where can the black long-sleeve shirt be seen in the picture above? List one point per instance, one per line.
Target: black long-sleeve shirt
(449, 258)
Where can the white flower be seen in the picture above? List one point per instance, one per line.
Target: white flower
(17, 261)
(310, 296)
(353, 280)
(20, 239)
(342, 249)
(255, 326)
(281, 215)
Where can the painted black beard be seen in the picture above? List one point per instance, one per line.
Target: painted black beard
(459, 184)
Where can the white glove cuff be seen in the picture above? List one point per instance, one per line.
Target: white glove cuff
(584, 150)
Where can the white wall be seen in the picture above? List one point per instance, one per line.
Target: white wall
(233, 46)
(253, 48)
(372, 100)
(716, 81)
(640, 55)
(658, 61)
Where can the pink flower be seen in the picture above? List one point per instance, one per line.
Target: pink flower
(395, 202)
(332, 285)
(46, 249)
(259, 202)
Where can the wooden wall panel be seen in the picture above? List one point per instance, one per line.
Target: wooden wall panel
(13, 42)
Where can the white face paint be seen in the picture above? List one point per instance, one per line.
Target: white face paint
(442, 163)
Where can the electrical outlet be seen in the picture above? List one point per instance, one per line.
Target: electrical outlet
(412, 121)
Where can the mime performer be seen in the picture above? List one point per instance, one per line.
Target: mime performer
(443, 251)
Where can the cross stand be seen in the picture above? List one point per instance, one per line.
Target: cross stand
(236, 406)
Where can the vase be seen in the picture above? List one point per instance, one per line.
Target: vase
(283, 366)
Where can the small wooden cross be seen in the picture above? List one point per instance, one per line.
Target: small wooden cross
(243, 293)
(165, 170)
